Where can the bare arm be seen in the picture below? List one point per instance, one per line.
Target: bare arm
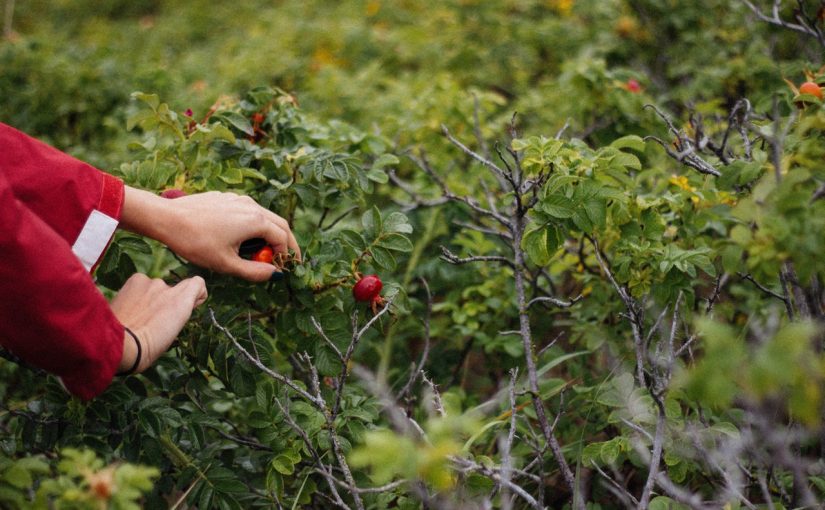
(208, 228)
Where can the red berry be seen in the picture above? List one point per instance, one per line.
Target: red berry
(811, 88)
(173, 193)
(367, 288)
(264, 255)
(633, 86)
(258, 118)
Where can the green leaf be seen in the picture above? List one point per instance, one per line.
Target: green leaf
(371, 221)
(383, 258)
(134, 244)
(626, 160)
(232, 176)
(378, 176)
(632, 142)
(395, 242)
(150, 99)
(558, 206)
(237, 121)
(541, 244)
(665, 503)
(385, 160)
(353, 239)
(18, 477)
(397, 222)
(283, 464)
(559, 360)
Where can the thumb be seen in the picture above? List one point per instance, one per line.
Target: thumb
(192, 290)
(255, 271)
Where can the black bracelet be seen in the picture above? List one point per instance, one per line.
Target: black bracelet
(137, 358)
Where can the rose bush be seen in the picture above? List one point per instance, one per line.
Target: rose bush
(613, 299)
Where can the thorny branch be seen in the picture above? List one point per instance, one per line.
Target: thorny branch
(686, 151)
(805, 24)
(317, 399)
(514, 220)
(418, 370)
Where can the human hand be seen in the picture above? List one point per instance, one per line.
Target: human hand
(208, 229)
(155, 312)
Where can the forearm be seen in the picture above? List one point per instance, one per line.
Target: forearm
(149, 215)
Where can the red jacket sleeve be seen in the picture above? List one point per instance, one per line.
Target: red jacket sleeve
(57, 216)
(80, 203)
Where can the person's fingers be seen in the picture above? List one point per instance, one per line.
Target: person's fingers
(277, 238)
(292, 243)
(251, 270)
(192, 291)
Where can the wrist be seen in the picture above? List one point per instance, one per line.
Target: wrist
(148, 214)
(132, 355)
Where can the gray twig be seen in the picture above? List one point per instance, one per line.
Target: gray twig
(263, 368)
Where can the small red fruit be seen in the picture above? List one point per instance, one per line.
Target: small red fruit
(367, 288)
(633, 86)
(811, 88)
(264, 255)
(258, 118)
(173, 193)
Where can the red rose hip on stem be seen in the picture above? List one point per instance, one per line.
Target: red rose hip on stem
(367, 288)
(173, 193)
(265, 255)
(811, 88)
(633, 86)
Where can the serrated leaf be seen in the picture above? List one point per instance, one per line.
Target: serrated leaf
(135, 245)
(371, 221)
(625, 160)
(397, 222)
(385, 160)
(383, 258)
(558, 206)
(237, 121)
(232, 176)
(353, 239)
(395, 242)
(632, 142)
(378, 176)
(150, 99)
(540, 244)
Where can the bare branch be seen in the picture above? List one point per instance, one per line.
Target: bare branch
(439, 406)
(418, 370)
(656, 457)
(554, 301)
(368, 490)
(455, 259)
(268, 371)
(619, 490)
(333, 435)
(409, 190)
(680, 494)
(686, 149)
(329, 342)
(785, 297)
(494, 475)
(506, 445)
(424, 165)
(774, 19)
(476, 156)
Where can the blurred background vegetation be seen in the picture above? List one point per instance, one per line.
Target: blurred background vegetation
(398, 70)
(398, 67)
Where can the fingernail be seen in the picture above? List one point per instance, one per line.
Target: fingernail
(276, 276)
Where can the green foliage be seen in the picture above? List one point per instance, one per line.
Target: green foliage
(713, 281)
